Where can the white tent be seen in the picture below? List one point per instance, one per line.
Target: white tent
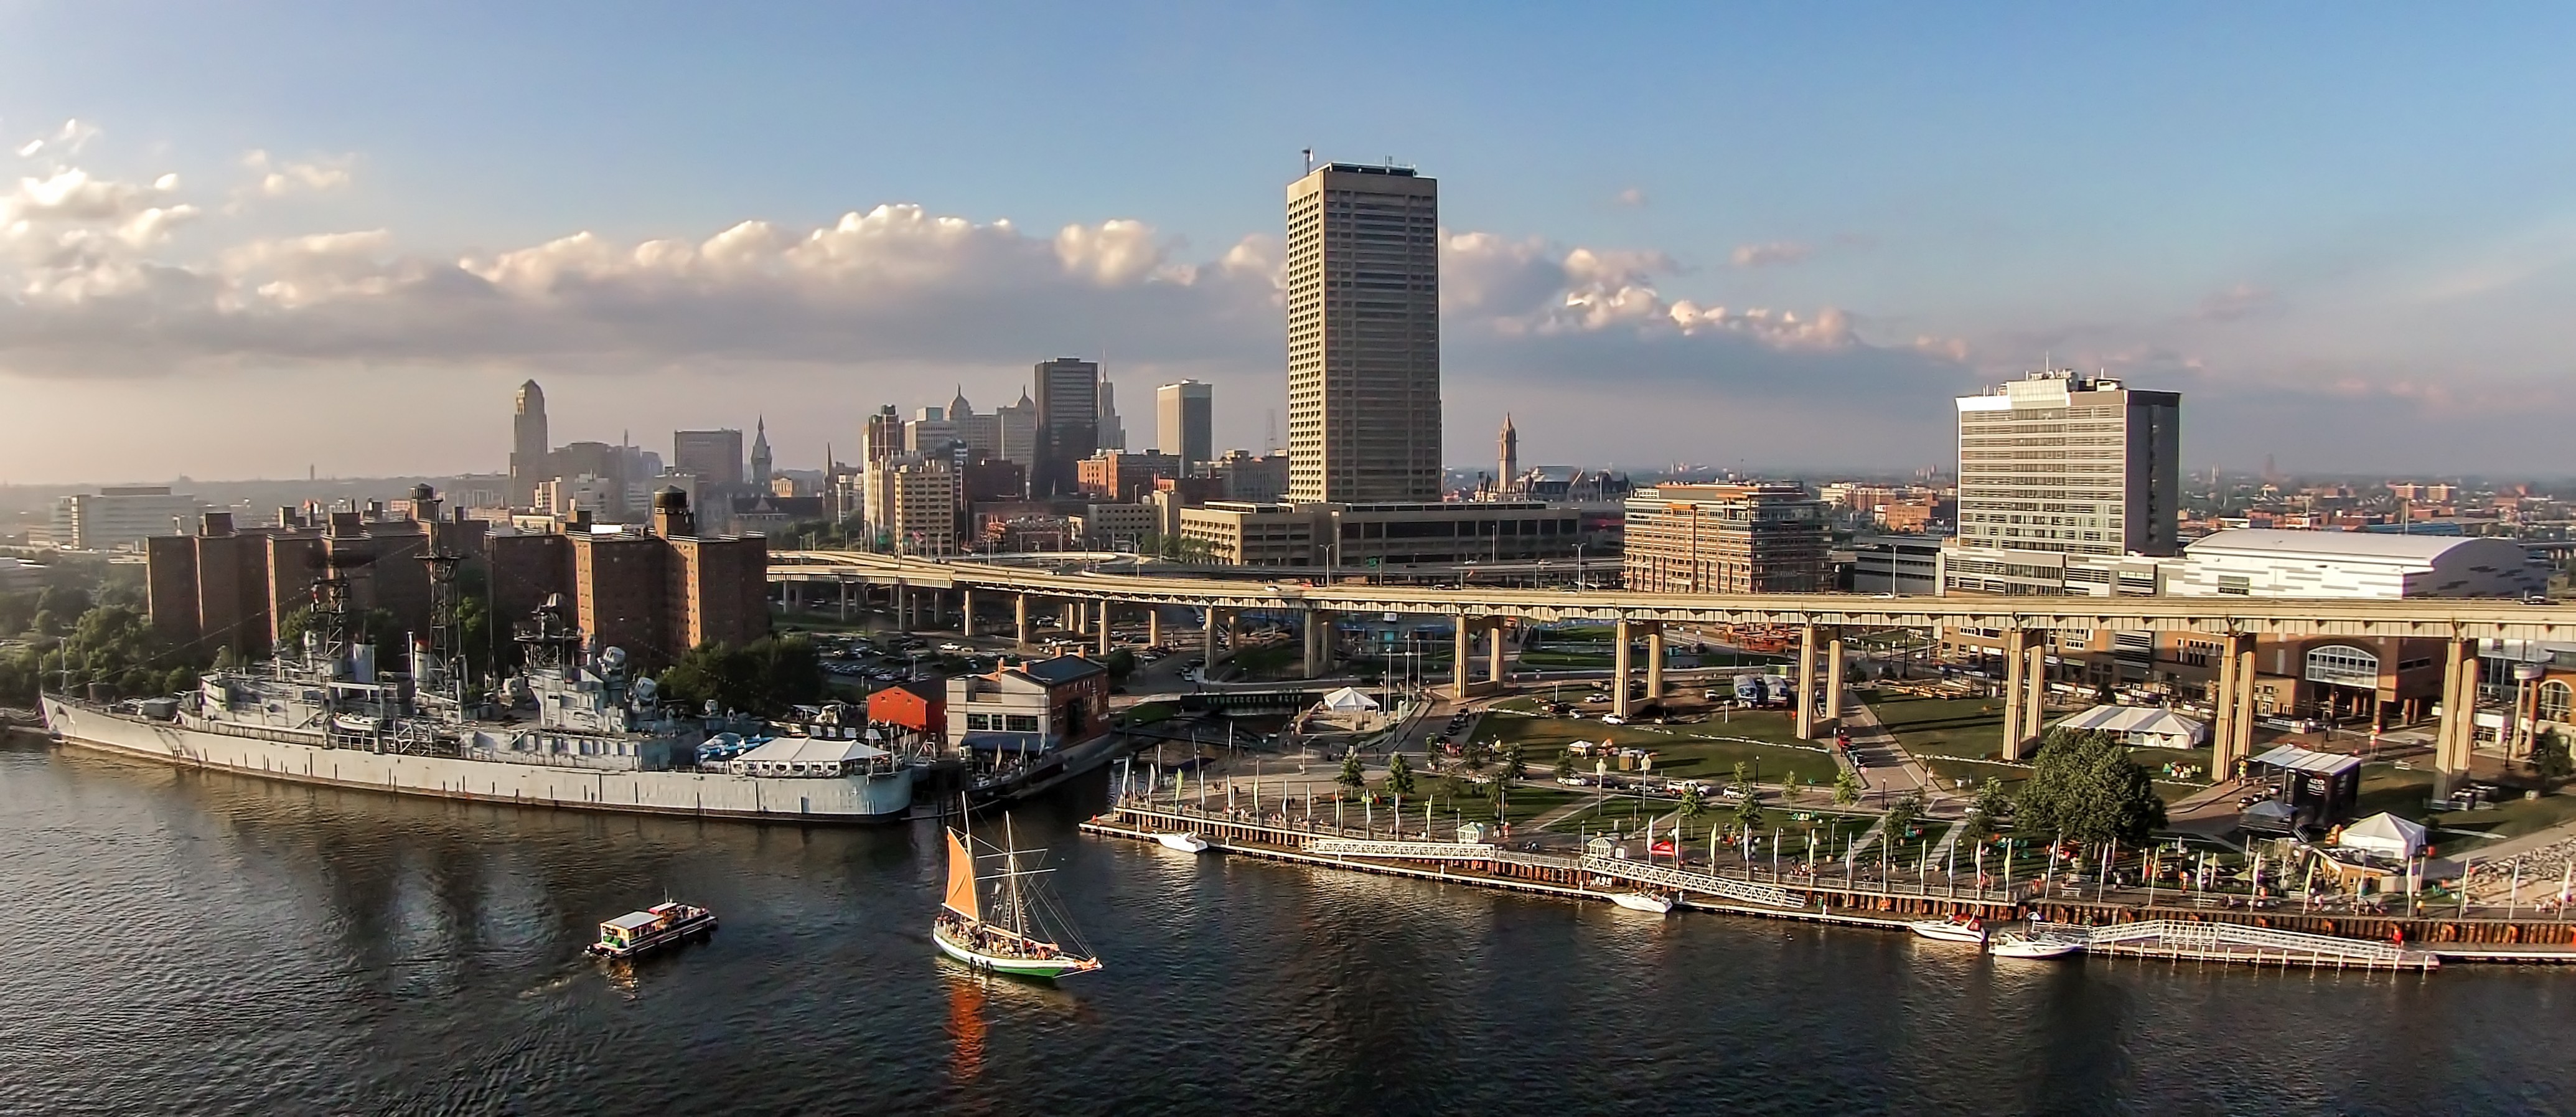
(2141, 726)
(2384, 835)
(1349, 700)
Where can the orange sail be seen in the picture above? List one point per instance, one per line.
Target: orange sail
(961, 879)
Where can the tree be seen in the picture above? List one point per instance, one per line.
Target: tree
(1846, 788)
(1990, 805)
(1399, 775)
(1121, 663)
(2085, 787)
(1748, 811)
(1694, 804)
(2550, 759)
(1515, 767)
(763, 677)
(1901, 816)
(1354, 775)
(1743, 778)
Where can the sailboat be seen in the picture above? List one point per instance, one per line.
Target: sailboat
(1014, 940)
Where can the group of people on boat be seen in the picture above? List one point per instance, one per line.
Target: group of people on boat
(988, 939)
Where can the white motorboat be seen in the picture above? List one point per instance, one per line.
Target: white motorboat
(2011, 945)
(1183, 841)
(1951, 930)
(1643, 901)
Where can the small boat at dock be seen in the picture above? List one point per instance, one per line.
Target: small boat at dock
(652, 929)
(2011, 944)
(1183, 841)
(1953, 929)
(1643, 901)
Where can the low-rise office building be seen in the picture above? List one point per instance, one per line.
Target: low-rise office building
(1032, 708)
(1727, 538)
(1354, 538)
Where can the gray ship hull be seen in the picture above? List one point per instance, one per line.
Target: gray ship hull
(878, 798)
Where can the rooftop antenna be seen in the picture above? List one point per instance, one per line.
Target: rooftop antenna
(1310, 160)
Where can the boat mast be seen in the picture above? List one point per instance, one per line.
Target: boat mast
(1011, 867)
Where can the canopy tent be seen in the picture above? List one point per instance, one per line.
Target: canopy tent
(2384, 835)
(2141, 726)
(1348, 700)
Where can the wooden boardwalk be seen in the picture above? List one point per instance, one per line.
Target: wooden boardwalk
(2227, 935)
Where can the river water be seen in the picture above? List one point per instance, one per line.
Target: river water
(180, 942)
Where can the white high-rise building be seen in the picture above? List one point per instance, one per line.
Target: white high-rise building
(119, 516)
(1363, 335)
(1184, 416)
(2058, 465)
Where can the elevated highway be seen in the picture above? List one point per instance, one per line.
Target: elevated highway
(2023, 622)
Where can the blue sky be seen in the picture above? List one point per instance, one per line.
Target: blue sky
(2344, 232)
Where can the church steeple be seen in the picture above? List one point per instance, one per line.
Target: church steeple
(760, 454)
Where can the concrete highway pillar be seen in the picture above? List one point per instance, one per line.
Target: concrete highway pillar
(1207, 657)
(1806, 682)
(1020, 620)
(2222, 726)
(902, 607)
(1496, 666)
(1104, 629)
(2015, 661)
(2034, 716)
(1462, 650)
(966, 613)
(1310, 659)
(2240, 743)
(2452, 739)
(1654, 662)
(845, 601)
(1834, 680)
(1154, 626)
(1619, 667)
(792, 595)
(1073, 618)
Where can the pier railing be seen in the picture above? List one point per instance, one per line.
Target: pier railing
(2216, 939)
(1409, 851)
(1686, 881)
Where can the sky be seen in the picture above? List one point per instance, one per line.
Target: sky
(252, 239)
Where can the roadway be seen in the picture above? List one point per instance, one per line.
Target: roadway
(2423, 617)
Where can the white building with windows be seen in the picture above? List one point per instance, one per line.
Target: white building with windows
(2266, 562)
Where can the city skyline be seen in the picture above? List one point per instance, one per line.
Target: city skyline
(1891, 220)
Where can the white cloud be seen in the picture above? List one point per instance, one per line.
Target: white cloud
(1774, 253)
(277, 179)
(1633, 197)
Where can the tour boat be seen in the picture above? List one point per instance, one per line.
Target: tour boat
(1015, 940)
(1643, 901)
(651, 929)
(1953, 929)
(1184, 842)
(2013, 945)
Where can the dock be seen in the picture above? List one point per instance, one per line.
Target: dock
(2227, 935)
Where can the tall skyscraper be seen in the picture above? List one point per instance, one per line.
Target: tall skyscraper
(1507, 447)
(714, 456)
(2059, 464)
(528, 445)
(882, 436)
(1068, 430)
(1363, 335)
(1184, 422)
(1113, 432)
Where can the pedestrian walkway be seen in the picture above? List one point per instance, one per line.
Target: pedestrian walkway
(1867, 839)
(1949, 841)
(1885, 765)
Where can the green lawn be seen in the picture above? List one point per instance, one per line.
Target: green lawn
(1549, 657)
(1962, 728)
(1682, 751)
